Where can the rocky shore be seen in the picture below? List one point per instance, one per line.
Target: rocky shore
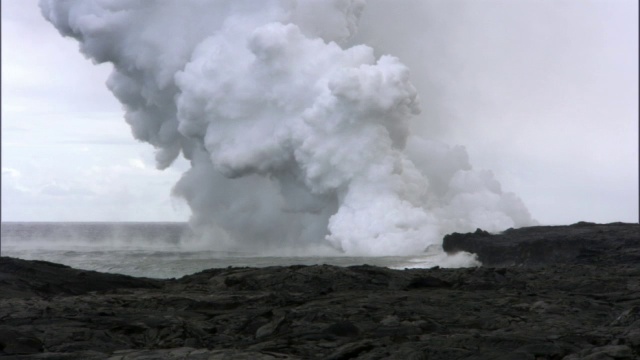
(562, 292)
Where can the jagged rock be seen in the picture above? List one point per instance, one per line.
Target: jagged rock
(42, 278)
(16, 342)
(575, 309)
(581, 243)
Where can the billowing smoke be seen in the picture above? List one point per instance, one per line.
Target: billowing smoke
(295, 138)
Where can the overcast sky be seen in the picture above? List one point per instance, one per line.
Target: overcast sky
(544, 93)
(67, 154)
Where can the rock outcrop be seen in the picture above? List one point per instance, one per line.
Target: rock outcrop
(581, 243)
(572, 309)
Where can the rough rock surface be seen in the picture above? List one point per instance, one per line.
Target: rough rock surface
(581, 243)
(573, 309)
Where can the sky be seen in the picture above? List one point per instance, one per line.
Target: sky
(543, 93)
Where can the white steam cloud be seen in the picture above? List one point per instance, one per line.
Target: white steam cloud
(294, 137)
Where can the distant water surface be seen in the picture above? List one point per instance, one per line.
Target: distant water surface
(157, 250)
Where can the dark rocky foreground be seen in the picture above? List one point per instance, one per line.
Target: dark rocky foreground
(570, 292)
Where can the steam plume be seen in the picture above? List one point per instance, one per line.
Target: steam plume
(293, 137)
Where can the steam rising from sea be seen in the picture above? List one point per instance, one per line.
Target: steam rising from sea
(163, 250)
(296, 140)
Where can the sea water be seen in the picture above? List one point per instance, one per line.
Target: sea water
(159, 250)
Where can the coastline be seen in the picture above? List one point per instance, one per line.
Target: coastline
(577, 297)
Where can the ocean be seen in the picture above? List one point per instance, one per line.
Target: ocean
(162, 250)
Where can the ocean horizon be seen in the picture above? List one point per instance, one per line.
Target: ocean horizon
(166, 250)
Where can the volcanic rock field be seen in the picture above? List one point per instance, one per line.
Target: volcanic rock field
(548, 292)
